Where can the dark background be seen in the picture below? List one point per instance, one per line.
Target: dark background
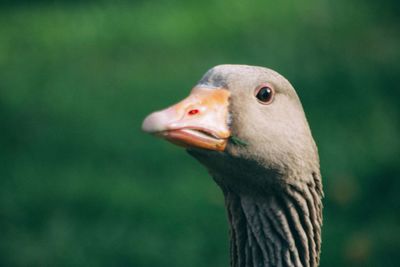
(81, 185)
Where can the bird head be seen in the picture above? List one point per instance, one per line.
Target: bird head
(240, 114)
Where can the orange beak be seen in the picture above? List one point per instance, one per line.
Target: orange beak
(198, 121)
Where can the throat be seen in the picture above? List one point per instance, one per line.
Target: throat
(279, 229)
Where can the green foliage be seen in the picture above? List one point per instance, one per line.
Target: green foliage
(80, 185)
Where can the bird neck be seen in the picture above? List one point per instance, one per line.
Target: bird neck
(278, 229)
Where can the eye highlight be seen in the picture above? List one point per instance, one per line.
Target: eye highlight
(265, 94)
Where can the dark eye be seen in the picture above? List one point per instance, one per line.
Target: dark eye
(265, 94)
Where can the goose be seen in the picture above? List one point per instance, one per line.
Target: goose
(247, 126)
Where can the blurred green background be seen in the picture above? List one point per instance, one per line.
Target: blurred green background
(81, 185)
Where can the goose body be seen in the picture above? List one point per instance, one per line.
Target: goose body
(246, 125)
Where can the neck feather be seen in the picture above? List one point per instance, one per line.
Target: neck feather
(282, 228)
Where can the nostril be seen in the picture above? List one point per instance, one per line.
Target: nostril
(193, 111)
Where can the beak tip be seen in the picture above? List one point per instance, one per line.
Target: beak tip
(155, 122)
(147, 125)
